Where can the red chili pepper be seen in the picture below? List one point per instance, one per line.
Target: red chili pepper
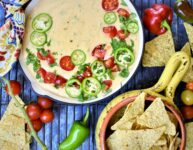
(158, 18)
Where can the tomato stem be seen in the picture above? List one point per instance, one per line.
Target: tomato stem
(33, 132)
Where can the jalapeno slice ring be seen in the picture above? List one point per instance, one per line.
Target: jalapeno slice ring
(73, 88)
(124, 57)
(98, 68)
(91, 86)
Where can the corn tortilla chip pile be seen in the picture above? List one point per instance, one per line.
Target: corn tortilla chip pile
(140, 129)
(13, 135)
(158, 51)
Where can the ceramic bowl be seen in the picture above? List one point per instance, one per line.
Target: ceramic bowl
(104, 130)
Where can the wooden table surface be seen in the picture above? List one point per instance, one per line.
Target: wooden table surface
(65, 114)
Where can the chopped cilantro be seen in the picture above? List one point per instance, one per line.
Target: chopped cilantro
(49, 43)
(108, 91)
(81, 68)
(38, 76)
(103, 86)
(32, 59)
(124, 73)
(116, 44)
(110, 74)
(53, 65)
(42, 51)
(123, 3)
(55, 53)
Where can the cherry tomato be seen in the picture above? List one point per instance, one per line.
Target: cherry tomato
(42, 72)
(187, 97)
(34, 111)
(47, 116)
(99, 52)
(45, 102)
(37, 125)
(189, 86)
(15, 86)
(60, 81)
(110, 5)
(50, 59)
(3, 53)
(123, 12)
(187, 112)
(87, 72)
(66, 63)
(109, 63)
(122, 35)
(108, 84)
(115, 68)
(111, 31)
(50, 77)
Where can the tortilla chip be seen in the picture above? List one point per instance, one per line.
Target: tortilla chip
(162, 141)
(12, 129)
(186, 49)
(133, 110)
(189, 31)
(158, 51)
(189, 135)
(172, 145)
(8, 145)
(156, 116)
(12, 106)
(134, 139)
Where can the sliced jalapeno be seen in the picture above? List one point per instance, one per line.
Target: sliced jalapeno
(91, 86)
(98, 68)
(110, 17)
(42, 22)
(38, 39)
(78, 57)
(73, 88)
(124, 57)
(133, 27)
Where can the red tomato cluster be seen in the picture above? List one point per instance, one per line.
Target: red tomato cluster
(40, 112)
(187, 98)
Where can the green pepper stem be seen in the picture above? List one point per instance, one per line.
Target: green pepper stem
(166, 25)
(85, 120)
(33, 132)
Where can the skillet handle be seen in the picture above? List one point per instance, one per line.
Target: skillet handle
(173, 73)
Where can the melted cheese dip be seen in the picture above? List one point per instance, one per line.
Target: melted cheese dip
(77, 24)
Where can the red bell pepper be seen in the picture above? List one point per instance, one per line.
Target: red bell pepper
(158, 18)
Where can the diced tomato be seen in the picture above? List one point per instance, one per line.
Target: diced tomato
(42, 72)
(80, 78)
(108, 84)
(122, 34)
(50, 77)
(40, 56)
(109, 63)
(3, 53)
(123, 12)
(66, 63)
(50, 59)
(110, 5)
(2, 58)
(87, 72)
(60, 81)
(111, 31)
(115, 68)
(99, 52)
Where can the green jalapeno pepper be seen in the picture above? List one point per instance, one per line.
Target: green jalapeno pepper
(184, 10)
(78, 134)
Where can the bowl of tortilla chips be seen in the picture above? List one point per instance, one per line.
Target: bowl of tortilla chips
(142, 122)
